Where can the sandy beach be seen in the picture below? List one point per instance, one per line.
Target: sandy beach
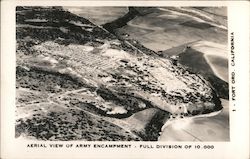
(197, 128)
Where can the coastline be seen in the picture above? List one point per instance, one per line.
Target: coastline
(193, 128)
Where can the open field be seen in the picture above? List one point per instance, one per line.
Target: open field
(78, 81)
(167, 27)
(98, 15)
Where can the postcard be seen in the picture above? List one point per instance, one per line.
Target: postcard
(124, 79)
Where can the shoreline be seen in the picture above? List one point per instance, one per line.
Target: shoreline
(168, 122)
(194, 125)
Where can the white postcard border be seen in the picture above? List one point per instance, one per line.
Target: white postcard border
(238, 147)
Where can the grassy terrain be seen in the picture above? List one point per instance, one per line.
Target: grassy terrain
(167, 27)
(99, 15)
(77, 81)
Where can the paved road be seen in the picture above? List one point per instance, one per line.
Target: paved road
(211, 128)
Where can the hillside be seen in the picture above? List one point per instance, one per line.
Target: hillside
(196, 35)
(77, 81)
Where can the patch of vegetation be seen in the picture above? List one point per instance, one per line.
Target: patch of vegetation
(153, 128)
(40, 80)
(128, 102)
(221, 87)
(201, 66)
(55, 23)
(71, 125)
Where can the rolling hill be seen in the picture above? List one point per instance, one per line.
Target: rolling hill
(77, 81)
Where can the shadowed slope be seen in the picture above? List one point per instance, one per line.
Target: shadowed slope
(197, 63)
(77, 81)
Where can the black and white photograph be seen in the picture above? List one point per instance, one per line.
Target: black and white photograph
(124, 79)
(122, 73)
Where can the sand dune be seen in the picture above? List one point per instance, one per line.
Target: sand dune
(89, 80)
(214, 128)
